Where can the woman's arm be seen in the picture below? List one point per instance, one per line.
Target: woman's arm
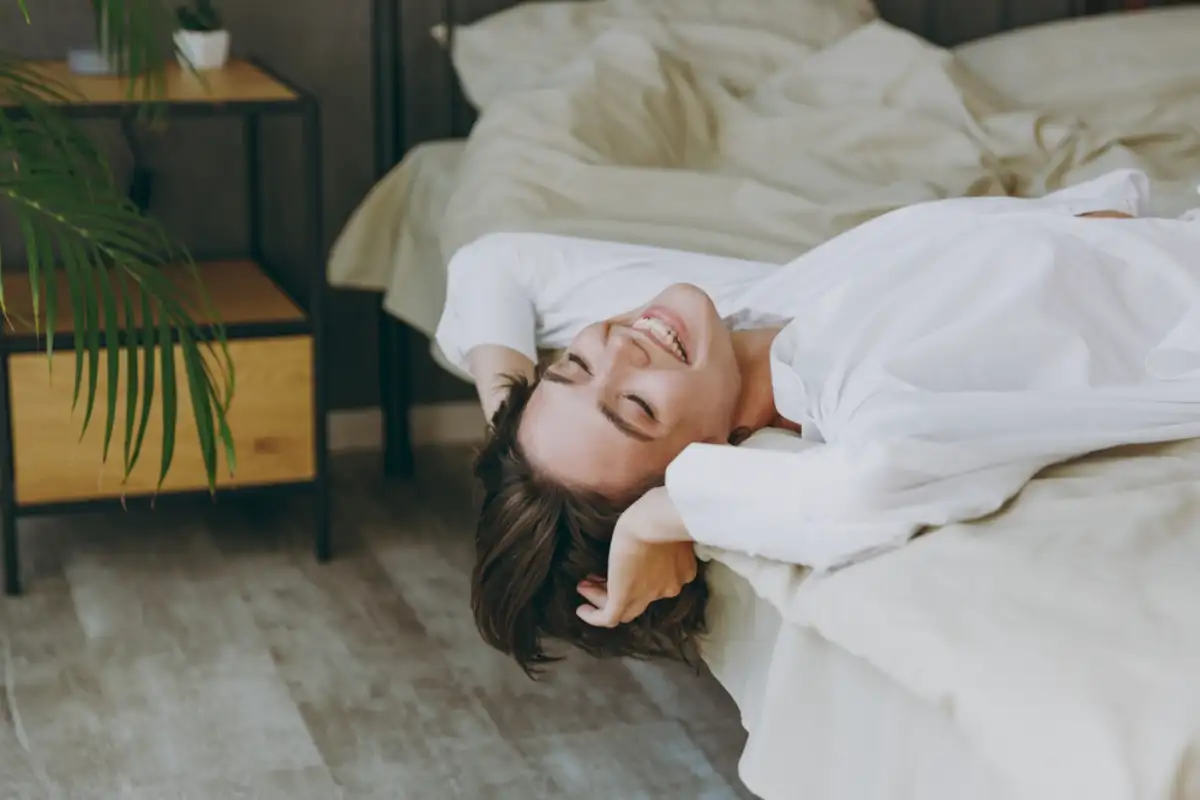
(507, 294)
(925, 461)
(489, 323)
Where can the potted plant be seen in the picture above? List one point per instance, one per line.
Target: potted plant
(201, 40)
(79, 225)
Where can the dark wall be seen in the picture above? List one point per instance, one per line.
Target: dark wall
(324, 45)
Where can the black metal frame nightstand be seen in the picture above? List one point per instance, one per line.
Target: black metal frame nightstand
(250, 91)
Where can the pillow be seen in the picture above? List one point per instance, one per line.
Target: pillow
(528, 45)
(813, 22)
(1073, 62)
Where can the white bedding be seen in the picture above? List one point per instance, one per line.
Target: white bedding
(758, 145)
(824, 723)
(632, 143)
(1083, 63)
(879, 687)
(1060, 637)
(390, 244)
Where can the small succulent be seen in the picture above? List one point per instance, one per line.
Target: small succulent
(200, 16)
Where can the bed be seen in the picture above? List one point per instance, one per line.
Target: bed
(856, 685)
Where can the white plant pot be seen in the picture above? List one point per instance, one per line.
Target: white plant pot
(202, 50)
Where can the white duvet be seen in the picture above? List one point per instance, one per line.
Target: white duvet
(750, 143)
(754, 138)
(1061, 636)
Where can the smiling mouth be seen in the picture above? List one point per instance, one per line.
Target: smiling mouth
(663, 335)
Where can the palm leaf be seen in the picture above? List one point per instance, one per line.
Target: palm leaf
(132, 33)
(78, 226)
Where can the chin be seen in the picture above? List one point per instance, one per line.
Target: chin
(699, 315)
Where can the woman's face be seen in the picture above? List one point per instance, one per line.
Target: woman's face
(631, 392)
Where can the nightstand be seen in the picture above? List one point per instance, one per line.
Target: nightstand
(275, 339)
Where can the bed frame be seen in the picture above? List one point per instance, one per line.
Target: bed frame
(417, 98)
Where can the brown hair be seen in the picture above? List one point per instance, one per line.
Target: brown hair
(536, 540)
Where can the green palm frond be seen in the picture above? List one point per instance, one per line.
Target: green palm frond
(135, 34)
(80, 230)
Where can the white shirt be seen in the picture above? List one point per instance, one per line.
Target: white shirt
(941, 354)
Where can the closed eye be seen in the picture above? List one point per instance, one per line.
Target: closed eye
(574, 359)
(572, 362)
(566, 373)
(641, 404)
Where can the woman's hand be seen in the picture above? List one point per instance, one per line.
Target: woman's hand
(651, 557)
(492, 365)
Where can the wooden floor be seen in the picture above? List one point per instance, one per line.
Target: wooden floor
(198, 652)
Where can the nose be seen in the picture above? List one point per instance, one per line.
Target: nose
(622, 349)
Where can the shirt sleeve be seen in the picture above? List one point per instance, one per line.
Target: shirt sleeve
(823, 507)
(775, 497)
(829, 505)
(491, 296)
(526, 291)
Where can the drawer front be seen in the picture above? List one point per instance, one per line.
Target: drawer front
(271, 419)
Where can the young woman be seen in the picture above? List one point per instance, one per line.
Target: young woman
(926, 365)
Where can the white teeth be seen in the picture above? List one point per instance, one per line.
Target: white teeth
(663, 333)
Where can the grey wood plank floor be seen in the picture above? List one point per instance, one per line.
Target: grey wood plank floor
(197, 651)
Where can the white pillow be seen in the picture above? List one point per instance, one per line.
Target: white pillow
(527, 45)
(813, 22)
(1073, 62)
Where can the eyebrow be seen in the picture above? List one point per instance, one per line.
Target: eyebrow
(608, 411)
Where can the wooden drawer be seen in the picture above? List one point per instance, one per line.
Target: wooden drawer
(271, 419)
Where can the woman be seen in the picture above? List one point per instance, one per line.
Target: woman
(927, 364)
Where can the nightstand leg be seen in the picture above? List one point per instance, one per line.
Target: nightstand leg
(314, 212)
(8, 508)
(395, 396)
(12, 557)
(322, 528)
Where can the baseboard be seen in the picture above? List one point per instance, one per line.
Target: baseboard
(436, 423)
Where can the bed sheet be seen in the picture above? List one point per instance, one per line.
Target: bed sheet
(823, 723)
(1083, 62)
(1060, 637)
(390, 244)
(636, 142)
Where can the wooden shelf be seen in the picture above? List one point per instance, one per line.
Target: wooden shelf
(240, 292)
(271, 418)
(238, 82)
(271, 415)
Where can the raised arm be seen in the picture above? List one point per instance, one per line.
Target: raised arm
(509, 294)
(489, 326)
